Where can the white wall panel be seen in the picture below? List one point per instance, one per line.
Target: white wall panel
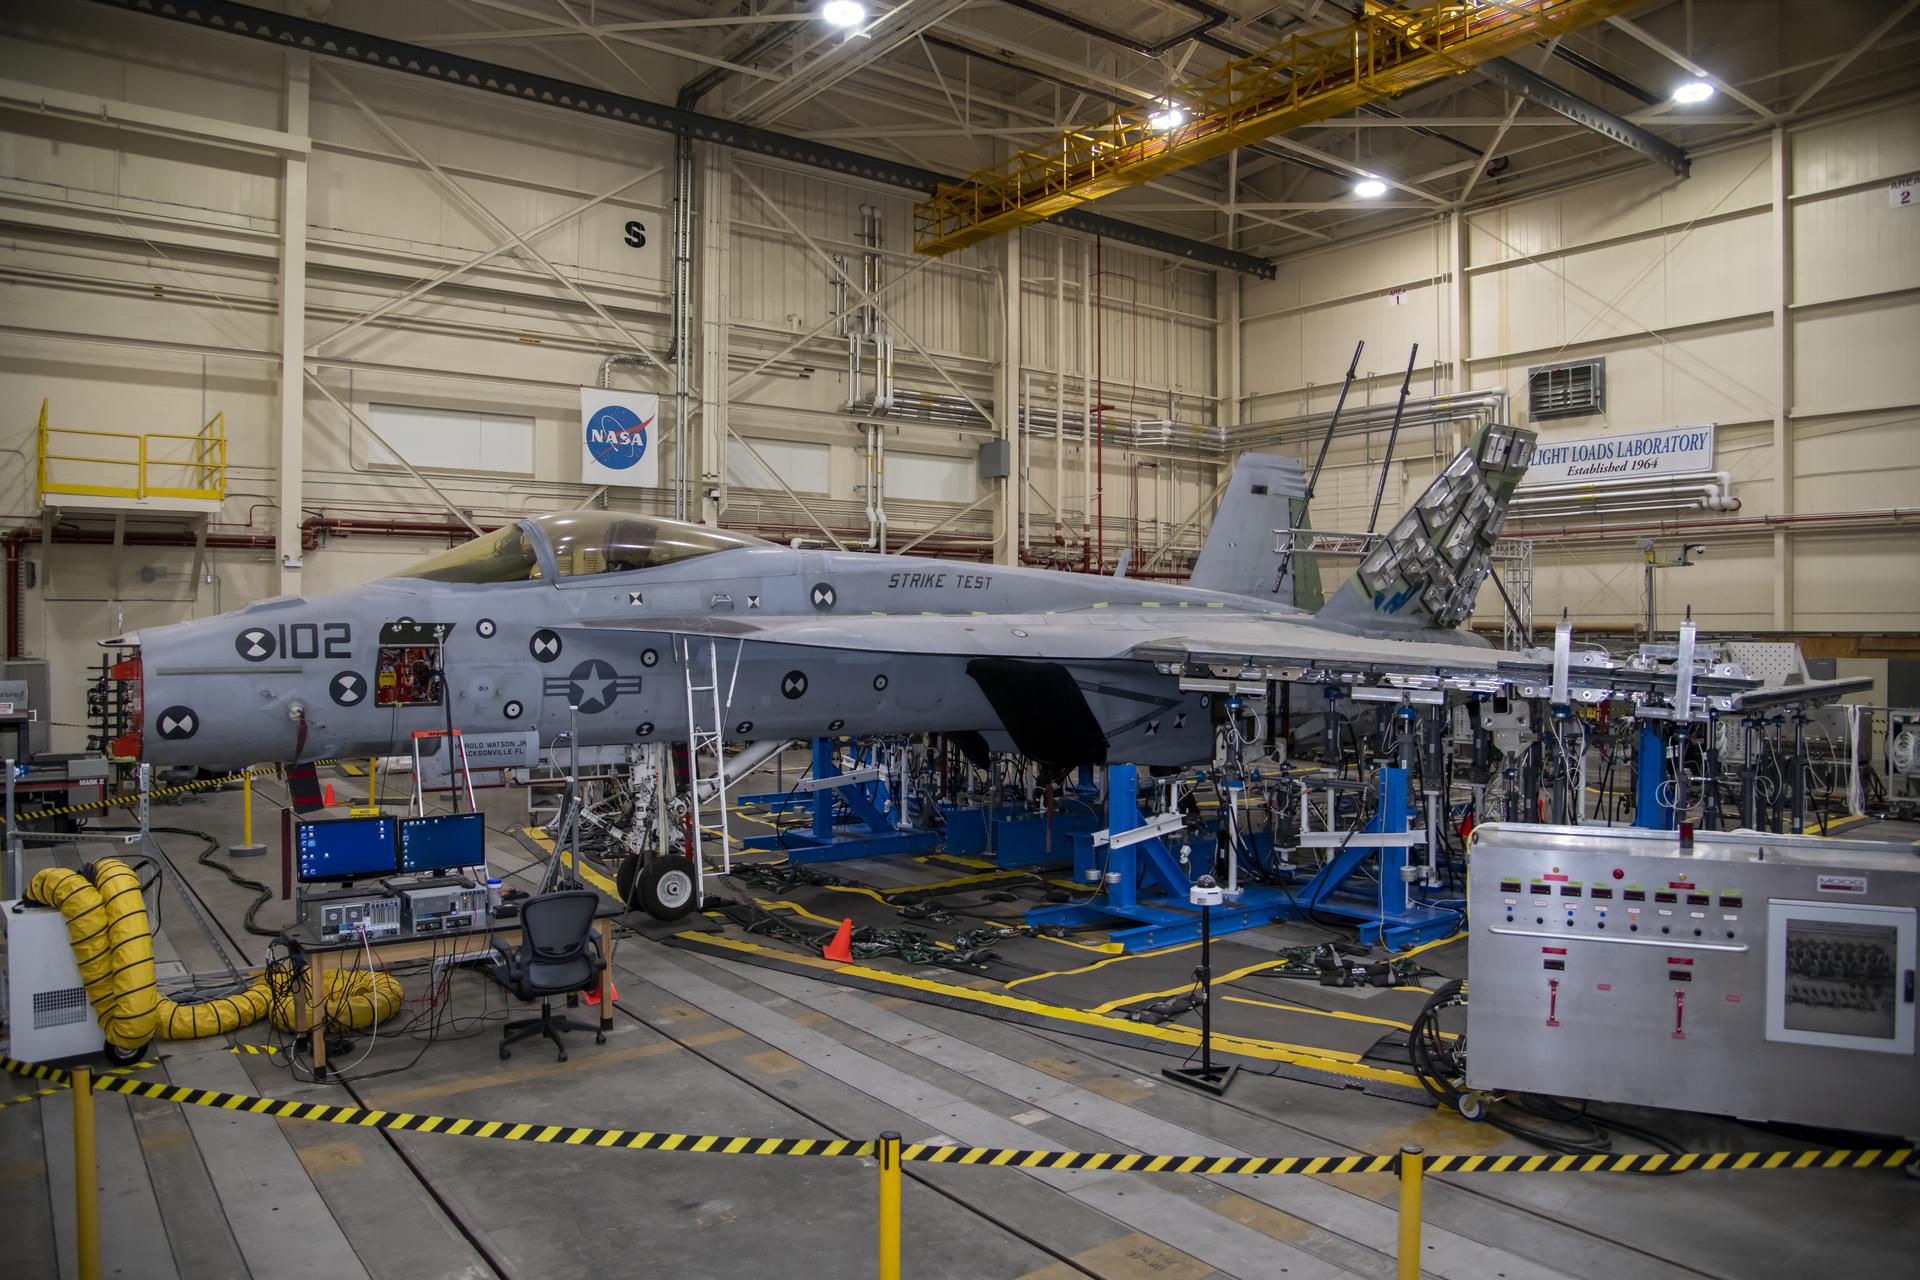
(930, 477)
(1860, 147)
(1854, 243)
(1856, 355)
(805, 466)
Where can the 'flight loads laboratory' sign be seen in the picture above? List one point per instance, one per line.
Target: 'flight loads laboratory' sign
(1629, 455)
(619, 438)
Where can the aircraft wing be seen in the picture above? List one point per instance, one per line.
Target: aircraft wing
(1203, 646)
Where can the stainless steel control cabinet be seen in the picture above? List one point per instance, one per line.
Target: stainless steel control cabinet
(1759, 976)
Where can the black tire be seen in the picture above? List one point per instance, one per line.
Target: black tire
(666, 888)
(126, 1057)
(505, 1053)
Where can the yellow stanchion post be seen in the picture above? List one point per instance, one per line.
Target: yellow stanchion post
(246, 848)
(1412, 1170)
(373, 781)
(86, 1179)
(889, 1206)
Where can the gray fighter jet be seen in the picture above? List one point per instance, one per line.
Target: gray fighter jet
(609, 617)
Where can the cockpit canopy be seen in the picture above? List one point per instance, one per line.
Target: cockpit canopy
(582, 543)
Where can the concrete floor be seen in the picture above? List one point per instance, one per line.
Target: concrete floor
(706, 1047)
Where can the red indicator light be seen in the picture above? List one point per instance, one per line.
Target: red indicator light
(1619, 874)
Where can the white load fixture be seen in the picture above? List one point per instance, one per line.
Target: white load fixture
(47, 1009)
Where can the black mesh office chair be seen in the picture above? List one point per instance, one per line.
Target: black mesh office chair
(558, 955)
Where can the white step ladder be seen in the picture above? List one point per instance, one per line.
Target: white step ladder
(701, 697)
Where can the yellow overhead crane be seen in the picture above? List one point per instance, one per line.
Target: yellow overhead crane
(1310, 76)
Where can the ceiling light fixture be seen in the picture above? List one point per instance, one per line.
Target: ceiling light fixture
(843, 13)
(1691, 92)
(1167, 117)
(1369, 188)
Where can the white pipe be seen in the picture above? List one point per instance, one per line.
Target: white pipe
(1086, 395)
(880, 483)
(1059, 378)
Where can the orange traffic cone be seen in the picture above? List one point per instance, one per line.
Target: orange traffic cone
(327, 799)
(593, 993)
(841, 948)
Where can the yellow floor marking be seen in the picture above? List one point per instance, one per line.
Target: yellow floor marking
(1187, 986)
(1056, 1068)
(1849, 820)
(808, 1018)
(1429, 946)
(679, 1013)
(1137, 1256)
(706, 1038)
(774, 1062)
(329, 1157)
(1125, 1091)
(22, 1173)
(1101, 964)
(597, 1057)
(1265, 1219)
(1333, 1061)
(587, 873)
(1330, 1013)
(152, 1143)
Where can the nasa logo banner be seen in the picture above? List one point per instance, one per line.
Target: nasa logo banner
(619, 440)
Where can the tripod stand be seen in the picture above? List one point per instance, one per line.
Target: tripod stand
(1206, 895)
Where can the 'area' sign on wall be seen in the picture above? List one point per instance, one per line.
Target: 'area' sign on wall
(1675, 451)
(618, 440)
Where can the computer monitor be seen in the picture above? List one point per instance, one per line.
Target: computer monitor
(346, 849)
(444, 842)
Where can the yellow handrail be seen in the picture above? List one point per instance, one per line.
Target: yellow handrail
(205, 468)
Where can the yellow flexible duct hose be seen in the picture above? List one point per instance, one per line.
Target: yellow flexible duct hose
(113, 944)
(129, 1020)
(356, 998)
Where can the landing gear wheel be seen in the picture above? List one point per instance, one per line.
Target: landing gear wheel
(1472, 1106)
(666, 888)
(126, 1057)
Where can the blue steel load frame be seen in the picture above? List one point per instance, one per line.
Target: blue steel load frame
(1386, 913)
(852, 812)
(1144, 887)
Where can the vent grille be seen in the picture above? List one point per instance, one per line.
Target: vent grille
(1567, 390)
(59, 1008)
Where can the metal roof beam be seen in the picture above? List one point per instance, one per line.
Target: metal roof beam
(1534, 87)
(368, 50)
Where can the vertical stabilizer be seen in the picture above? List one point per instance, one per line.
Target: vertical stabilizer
(1240, 554)
(1425, 574)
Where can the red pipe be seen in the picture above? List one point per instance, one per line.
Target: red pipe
(16, 630)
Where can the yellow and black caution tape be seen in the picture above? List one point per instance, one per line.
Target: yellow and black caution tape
(992, 1157)
(133, 797)
(268, 1049)
(61, 1078)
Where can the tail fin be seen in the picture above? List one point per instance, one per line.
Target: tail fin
(1426, 573)
(1240, 555)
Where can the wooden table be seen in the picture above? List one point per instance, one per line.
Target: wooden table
(316, 957)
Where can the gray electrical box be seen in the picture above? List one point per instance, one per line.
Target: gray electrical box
(1761, 976)
(996, 459)
(27, 684)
